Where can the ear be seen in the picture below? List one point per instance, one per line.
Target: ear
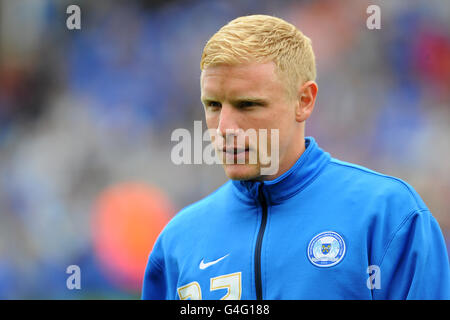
(306, 100)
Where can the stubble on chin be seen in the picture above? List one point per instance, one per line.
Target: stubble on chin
(242, 171)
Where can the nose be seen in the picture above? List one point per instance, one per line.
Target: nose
(228, 122)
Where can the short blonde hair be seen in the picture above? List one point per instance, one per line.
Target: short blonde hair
(263, 38)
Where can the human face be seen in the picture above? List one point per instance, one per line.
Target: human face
(249, 96)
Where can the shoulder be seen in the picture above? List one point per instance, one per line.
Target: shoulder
(386, 206)
(376, 186)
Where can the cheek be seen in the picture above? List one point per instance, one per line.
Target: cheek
(212, 120)
(278, 121)
(284, 122)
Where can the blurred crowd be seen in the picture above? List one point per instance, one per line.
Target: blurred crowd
(83, 110)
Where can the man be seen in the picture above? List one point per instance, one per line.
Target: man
(318, 228)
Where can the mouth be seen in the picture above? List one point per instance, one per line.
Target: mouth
(234, 150)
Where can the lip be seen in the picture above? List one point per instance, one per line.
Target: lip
(233, 150)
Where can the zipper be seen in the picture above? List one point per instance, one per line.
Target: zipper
(262, 228)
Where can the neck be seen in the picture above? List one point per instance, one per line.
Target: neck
(289, 159)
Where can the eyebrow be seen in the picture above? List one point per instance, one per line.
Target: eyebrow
(207, 99)
(239, 99)
(250, 99)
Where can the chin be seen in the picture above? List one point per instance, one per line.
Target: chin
(242, 171)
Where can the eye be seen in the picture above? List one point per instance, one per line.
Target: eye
(213, 104)
(247, 104)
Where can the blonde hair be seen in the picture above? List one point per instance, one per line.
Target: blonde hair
(260, 39)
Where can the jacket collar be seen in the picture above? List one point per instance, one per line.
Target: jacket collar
(303, 172)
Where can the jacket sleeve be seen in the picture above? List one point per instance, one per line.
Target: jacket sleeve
(415, 264)
(154, 285)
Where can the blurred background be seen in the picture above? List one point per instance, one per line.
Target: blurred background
(86, 118)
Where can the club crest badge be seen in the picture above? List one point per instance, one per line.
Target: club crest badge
(326, 249)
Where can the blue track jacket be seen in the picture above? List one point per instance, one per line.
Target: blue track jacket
(325, 229)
